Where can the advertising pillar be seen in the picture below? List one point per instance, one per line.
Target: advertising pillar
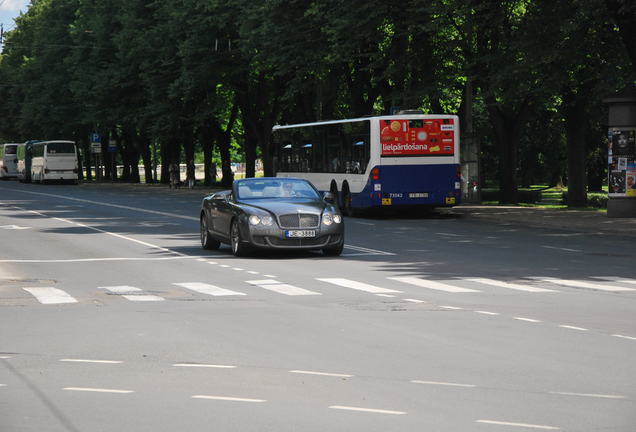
(621, 154)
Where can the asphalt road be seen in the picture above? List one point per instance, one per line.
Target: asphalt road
(112, 318)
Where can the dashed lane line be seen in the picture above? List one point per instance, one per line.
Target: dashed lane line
(590, 395)
(72, 360)
(228, 398)
(97, 390)
(441, 383)
(513, 424)
(368, 410)
(329, 374)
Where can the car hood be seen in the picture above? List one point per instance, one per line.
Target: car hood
(281, 207)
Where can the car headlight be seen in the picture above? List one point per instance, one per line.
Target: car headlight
(254, 220)
(337, 218)
(267, 220)
(327, 218)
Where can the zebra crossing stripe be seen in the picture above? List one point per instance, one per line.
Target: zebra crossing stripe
(583, 284)
(130, 293)
(425, 283)
(347, 283)
(207, 289)
(50, 295)
(281, 288)
(508, 285)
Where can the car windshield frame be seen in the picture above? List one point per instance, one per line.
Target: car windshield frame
(274, 189)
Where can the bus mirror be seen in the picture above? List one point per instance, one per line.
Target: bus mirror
(329, 197)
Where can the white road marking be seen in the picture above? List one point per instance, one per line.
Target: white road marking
(367, 250)
(486, 312)
(561, 248)
(449, 234)
(424, 283)
(443, 383)
(524, 425)
(225, 266)
(360, 286)
(212, 262)
(237, 269)
(270, 276)
(365, 223)
(321, 373)
(369, 410)
(452, 307)
(91, 361)
(123, 237)
(227, 398)
(253, 272)
(583, 284)
(573, 327)
(13, 227)
(281, 288)
(207, 289)
(114, 205)
(128, 292)
(414, 301)
(624, 337)
(527, 319)
(385, 295)
(616, 279)
(592, 395)
(508, 285)
(201, 365)
(5, 357)
(80, 260)
(50, 295)
(3, 385)
(97, 390)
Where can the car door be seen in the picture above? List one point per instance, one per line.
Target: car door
(226, 211)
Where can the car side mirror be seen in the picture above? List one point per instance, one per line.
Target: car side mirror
(329, 197)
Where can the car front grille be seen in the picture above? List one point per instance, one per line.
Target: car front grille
(315, 241)
(299, 220)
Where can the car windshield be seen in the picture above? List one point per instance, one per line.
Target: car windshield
(275, 188)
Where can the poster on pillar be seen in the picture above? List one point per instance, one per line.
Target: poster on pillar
(622, 163)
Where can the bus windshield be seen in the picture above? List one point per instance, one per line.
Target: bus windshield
(60, 148)
(10, 150)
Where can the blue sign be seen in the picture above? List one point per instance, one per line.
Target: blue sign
(96, 138)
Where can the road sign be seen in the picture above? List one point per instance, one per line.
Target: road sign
(96, 147)
(112, 146)
(96, 138)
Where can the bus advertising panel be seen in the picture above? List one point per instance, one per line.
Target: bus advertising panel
(418, 137)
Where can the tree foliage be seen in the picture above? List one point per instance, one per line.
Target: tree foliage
(172, 80)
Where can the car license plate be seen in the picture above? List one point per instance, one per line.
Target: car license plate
(300, 233)
(418, 195)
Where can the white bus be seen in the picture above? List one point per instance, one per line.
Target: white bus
(8, 161)
(54, 160)
(403, 160)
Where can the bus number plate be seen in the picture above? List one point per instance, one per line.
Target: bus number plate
(300, 233)
(418, 195)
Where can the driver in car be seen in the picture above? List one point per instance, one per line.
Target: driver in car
(288, 190)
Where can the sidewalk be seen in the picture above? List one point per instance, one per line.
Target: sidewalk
(594, 222)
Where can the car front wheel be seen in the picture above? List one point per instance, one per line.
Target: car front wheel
(207, 241)
(238, 247)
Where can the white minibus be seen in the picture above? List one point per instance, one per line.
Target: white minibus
(8, 161)
(54, 160)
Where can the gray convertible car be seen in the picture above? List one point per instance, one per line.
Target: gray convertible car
(275, 213)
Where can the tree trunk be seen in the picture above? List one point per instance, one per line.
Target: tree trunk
(575, 130)
(507, 127)
(206, 140)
